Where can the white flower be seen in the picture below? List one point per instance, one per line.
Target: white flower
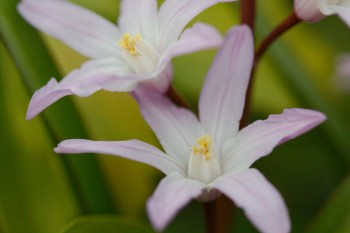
(208, 156)
(139, 50)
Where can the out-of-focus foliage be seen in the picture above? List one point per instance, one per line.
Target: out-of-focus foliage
(106, 224)
(35, 192)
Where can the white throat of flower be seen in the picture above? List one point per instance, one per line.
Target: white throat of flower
(139, 53)
(204, 164)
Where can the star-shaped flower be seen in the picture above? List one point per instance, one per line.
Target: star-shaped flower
(315, 10)
(209, 156)
(139, 50)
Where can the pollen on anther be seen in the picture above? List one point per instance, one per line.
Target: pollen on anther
(128, 43)
(203, 147)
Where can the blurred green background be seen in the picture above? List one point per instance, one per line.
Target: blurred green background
(41, 192)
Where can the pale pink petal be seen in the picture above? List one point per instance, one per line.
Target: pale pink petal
(260, 138)
(223, 95)
(172, 194)
(83, 30)
(175, 14)
(132, 149)
(261, 202)
(176, 128)
(140, 17)
(341, 78)
(161, 82)
(94, 75)
(200, 36)
(343, 12)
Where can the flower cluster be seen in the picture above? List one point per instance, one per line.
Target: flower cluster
(204, 156)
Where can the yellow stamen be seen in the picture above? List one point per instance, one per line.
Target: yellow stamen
(128, 42)
(204, 144)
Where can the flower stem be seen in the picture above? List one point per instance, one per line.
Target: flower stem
(284, 26)
(218, 215)
(287, 24)
(248, 13)
(176, 98)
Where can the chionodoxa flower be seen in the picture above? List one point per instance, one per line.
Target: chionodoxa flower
(139, 50)
(210, 156)
(315, 10)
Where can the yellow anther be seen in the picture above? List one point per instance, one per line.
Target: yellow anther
(128, 42)
(203, 146)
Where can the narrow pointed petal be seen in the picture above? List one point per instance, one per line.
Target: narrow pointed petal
(223, 95)
(140, 17)
(261, 202)
(200, 36)
(94, 75)
(261, 137)
(176, 128)
(175, 14)
(172, 194)
(343, 12)
(81, 29)
(132, 149)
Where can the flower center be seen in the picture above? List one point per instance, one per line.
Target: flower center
(128, 42)
(204, 147)
(140, 55)
(204, 164)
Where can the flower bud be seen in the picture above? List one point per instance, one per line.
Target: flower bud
(308, 10)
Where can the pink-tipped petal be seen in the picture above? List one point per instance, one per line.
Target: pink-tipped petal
(176, 128)
(132, 149)
(139, 17)
(83, 30)
(172, 194)
(223, 95)
(261, 137)
(175, 14)
(94, 75)
(261, 202)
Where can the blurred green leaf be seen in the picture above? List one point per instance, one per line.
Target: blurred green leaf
(35, 191)
(106, 224)
(335, 216)
(36, 67)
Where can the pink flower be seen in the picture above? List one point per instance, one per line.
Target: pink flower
(315, 10)
(209, 156)
(139, 50)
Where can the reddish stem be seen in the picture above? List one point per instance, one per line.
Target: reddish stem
(176, 98)
(287, 24)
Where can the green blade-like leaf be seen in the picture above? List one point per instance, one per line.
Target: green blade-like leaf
(36, 67)
(335, 216)
(106, 224)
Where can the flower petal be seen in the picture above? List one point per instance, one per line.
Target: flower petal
(176, 128)
(132, 149)
(343, 12)
(83, 30)
(260, 201)
(160, 82)
(223, 95)
(200, 36)
(140, 17)
(172, 194)
(94, 75)
(259, 138)
(175, 14)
